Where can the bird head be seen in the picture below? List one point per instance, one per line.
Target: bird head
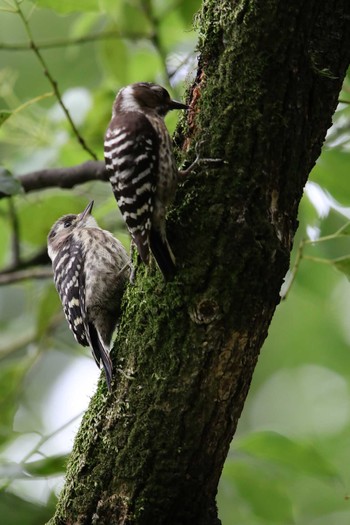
(66, 225)
(146, 96)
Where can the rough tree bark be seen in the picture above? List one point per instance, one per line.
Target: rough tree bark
(267, 85)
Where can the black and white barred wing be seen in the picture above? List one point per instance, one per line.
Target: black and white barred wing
(68, 272)
(131, 154)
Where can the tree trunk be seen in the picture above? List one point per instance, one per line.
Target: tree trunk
(267, 85)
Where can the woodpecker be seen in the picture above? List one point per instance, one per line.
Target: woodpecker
(143, 172)
(91, 269)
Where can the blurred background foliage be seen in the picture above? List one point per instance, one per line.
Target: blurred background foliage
(289, 462)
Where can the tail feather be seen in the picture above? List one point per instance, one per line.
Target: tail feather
(162, 254)
(142, 245)
(101, 354)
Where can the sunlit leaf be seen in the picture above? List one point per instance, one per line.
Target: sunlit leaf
(282, 450)
(50, 466)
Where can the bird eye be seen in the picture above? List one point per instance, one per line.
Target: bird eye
(159, 90)
(67, 224)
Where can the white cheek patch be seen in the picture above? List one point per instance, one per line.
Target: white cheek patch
(52, 253)
(128, 102)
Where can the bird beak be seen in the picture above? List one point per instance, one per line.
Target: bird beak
(174, 104)
(87, 210)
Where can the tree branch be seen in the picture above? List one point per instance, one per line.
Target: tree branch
(52, 44)
(155, 38)
(22, 275)
(52, 81)
(63, 177)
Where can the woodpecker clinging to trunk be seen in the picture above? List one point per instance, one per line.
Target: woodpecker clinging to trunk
(91, 269)
(143, 172)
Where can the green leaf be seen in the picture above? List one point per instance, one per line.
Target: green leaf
(4, 115)
(51, 466)
(11, 375)
(299, 456)
(332, 173)
(188, 9)
(15, 511)
(145, 63)
(116, 60)
(35, 228)
(69, 6)
(8, 184)
(343, 265)
(344, 230)
(128, 17)
(263, 493)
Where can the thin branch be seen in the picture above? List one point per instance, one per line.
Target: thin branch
(155, 36)
(52, 44)
(22, 275)
(64, 177)
(16, 255)
(7, 10)
(21, 340)
(36, 448)
(318, 259)
(341, 232)
(52, 81)
(52, 434)
(32, 101)
(184, 61)
(40, 258)
(287, 285)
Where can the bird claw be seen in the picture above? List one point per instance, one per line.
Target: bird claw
(127, 376)
(200, 160)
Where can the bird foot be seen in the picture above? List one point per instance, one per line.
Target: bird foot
(200, 160)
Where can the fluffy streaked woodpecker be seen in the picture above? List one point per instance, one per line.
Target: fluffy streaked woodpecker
(143, 172)
(91, 269)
